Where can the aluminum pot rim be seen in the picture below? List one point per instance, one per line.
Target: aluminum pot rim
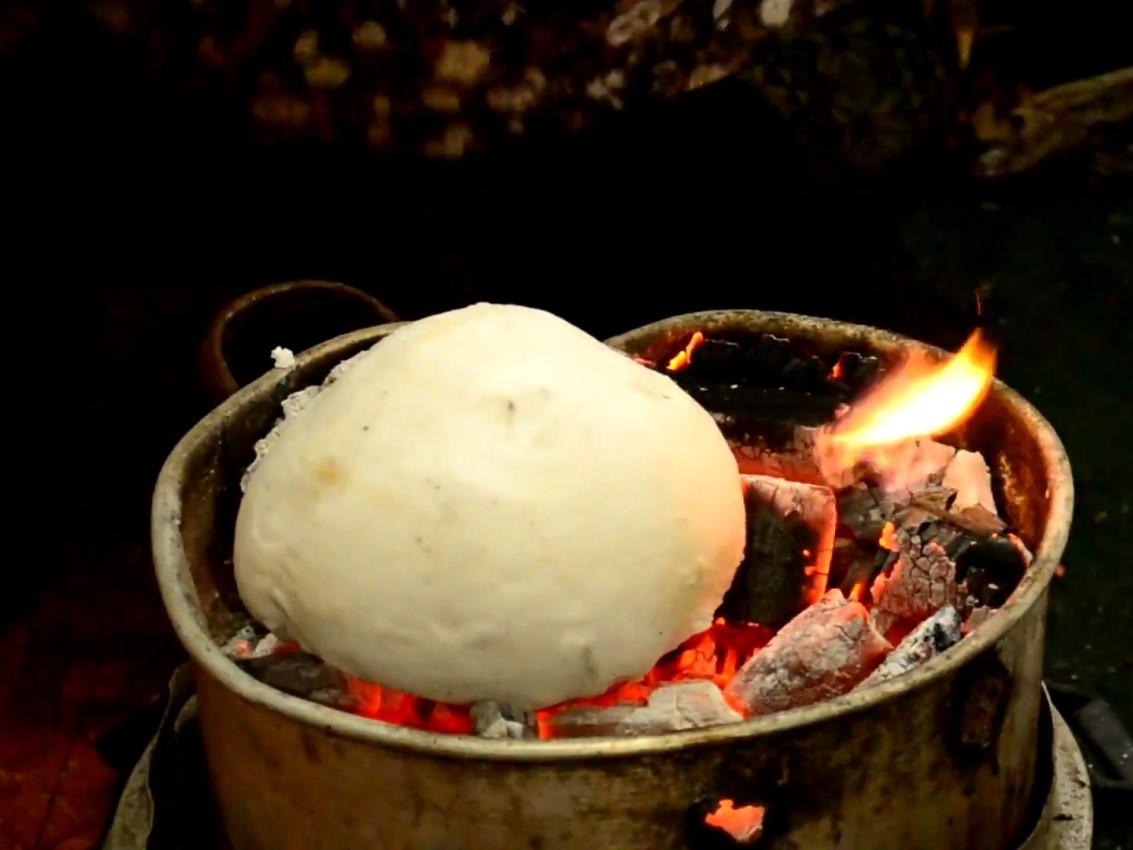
(182, 606)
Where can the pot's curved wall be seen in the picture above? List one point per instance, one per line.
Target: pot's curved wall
(932, 770)
(944, 759)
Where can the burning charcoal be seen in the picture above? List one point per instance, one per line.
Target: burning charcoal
(899, 468)
(241, 644)
(742, 824)
(930, 638)
(919, 581)
(779, 452)
(822, 653)
(790, 537)
(691, 704)
(863, 511)
(300, 674)
(490, 719)
(855, 565)
(969, 476)
(757, 383)
(855, 370)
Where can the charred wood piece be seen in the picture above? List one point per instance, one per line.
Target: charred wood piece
(932, 637)
(822, 653)
(301, 674)
(790, 538)
(779, 451)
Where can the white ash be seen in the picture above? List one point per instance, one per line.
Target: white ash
(283, 358)
(674, 707)
(822, 653)
(491, 719)
(918, 583)
(241, 644)
(247, 644)
(933, 636)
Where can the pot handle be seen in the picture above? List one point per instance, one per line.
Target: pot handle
(294, 314)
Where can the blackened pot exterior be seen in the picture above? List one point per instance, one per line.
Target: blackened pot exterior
(943, 757)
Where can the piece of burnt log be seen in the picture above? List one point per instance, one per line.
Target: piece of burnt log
(919, 581)
(936, 634)
(822, 653)
(790, 538)
(774, 449)
(674, 707)
(963, 558)
(300, 674)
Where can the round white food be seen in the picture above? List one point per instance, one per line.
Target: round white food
(492, 504)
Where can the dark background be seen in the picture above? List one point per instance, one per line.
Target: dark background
(135, 217)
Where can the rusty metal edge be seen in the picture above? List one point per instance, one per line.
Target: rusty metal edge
(179, 596)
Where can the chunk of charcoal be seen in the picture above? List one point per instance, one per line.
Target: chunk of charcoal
(790, 539)
(867, 369)
(919, 582)
(491, 719)
(936, 634)
(822, 653)
(804, 373)
(772, 353)
(863, 511)
(855, 563)
(717, 359)
(783, 451)
(991, 569)
(300, 674)
(757, 407)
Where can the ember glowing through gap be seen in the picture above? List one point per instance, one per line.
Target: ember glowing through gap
(743, 823)
(918, 399)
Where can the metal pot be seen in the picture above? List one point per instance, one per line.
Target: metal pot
(943, 757)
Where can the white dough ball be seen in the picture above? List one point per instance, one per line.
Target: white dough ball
(492, 504)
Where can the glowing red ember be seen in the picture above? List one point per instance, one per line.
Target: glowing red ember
(743, 823)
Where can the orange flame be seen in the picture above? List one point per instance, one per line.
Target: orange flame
(888, 539)
(743, 823)
(683, 358)
(918, 399)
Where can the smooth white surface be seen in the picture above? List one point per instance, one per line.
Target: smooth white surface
(491, 504)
